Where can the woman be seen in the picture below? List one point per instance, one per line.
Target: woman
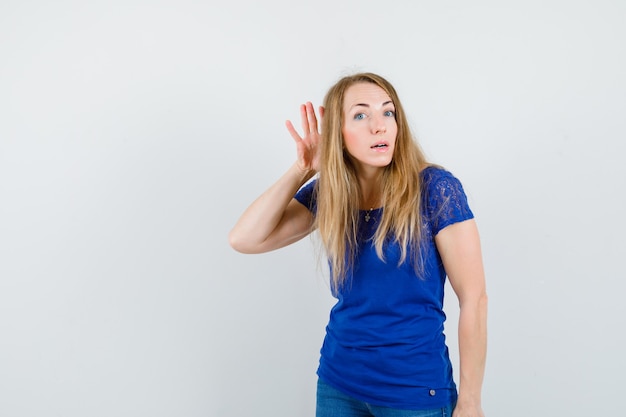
(393, 227)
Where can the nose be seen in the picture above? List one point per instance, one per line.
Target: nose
(378, 125)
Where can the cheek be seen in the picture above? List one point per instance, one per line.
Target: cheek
(394, 131)
(349, 138)
(394, 128)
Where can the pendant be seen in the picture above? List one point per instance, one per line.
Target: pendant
(367, 215)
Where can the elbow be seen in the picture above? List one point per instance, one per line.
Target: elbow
(482, 303)
(478, 303)
(483, 306)
(236, 242)
(240, 243)
(483, 300)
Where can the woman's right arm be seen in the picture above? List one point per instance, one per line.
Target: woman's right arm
(275, 219)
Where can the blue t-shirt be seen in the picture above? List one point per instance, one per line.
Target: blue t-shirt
(385, 341)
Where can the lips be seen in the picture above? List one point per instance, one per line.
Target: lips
(380, 145)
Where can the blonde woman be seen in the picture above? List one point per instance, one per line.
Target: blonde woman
(393, 227)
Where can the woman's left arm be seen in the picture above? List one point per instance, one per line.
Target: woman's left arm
(459, 247)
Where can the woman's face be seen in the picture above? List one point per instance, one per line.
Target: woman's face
(369, 128)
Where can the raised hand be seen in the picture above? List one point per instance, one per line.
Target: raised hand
(307, 145)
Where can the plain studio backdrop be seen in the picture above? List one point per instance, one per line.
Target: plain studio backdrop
(133, 134)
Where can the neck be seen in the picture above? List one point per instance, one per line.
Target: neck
(370, 194)
(370, 182)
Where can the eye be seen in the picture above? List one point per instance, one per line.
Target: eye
(390, 113)
(359, 116)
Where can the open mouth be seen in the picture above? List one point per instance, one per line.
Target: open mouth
(379, 146)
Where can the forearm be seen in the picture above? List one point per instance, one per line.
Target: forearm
(472, 350)
(262, 217)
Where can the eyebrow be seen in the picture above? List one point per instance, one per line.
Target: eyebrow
(367, 105)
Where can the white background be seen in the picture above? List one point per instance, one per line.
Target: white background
(133, 134)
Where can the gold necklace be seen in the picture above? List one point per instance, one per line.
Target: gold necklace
(367, 215)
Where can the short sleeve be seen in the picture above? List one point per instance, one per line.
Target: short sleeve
(445, 199)
(307, 196)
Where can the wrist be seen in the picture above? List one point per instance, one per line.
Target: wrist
(469, 399)
(304, 174)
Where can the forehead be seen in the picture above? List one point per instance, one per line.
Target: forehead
(364, 93)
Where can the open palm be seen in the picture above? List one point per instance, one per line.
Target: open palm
(307, 145)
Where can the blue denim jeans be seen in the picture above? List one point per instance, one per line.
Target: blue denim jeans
(334, 403)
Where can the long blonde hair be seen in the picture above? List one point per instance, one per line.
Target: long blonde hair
(339, 193)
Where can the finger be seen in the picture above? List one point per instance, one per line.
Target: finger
(292, 131)
(322, 112)
(312, 119)
(304, 118)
